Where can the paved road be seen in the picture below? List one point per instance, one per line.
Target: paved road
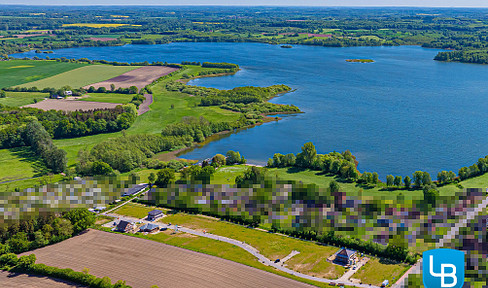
(246, 247)
(470, 215)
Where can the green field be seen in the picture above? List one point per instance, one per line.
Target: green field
(81, 77)
(108, 98)
(21, 162)
(376, 271)
(17, 99)
(136, 210)
(16, 72)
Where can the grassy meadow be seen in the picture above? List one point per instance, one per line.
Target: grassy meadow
(107, 98)
(17, 72)
(21, 162)
(18, 99)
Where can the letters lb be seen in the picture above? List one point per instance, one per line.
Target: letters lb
(443, 268)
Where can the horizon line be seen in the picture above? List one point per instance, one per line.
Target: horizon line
(257, 6)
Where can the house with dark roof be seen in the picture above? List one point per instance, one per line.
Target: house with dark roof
(346, 257)
(125, 226)
(134, 189)
(154, 214)
(149, 227)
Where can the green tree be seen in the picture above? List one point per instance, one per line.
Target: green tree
(39, 239)
(234, 158)
(289, 160)
(101, 168)
(26, 261)
(431, 195)
(218, 160)
(407, 181)
(165, 176)
(9, 259)
(252, 175)
(19, 243)
(62, 227)
(151, 178)
(81, 219)
(389, 180)
(418, 178)
(334, 186)
(307, 155)
(426, 180)
(375, 178)
(397, 181)
(112, 87)
(2, 94)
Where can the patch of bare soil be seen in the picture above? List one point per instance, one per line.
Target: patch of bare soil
(144, 107)
(70, 105)
(140, 77)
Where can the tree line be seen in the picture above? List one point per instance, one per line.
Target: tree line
(341, 164)
(46, 228)
(61, 124)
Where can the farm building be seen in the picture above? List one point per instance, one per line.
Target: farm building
(154, 214)
(149, 228)
(125, 226)
(134, 189)
(68, 93)
(346, 257)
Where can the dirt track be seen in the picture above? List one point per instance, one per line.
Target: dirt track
(140, 77)
(143, 263)
(13, 280)
(70, 105)
(144, 107)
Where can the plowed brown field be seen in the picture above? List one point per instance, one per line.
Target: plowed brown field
(143, 263)
(70, 105)
(140, 77)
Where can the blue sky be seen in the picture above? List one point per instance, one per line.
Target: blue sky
(423, 3)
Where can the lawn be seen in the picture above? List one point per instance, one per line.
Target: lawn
(108, 98)
(376, 271)
(16, 72)
(81, 76)
(21, 162)
(227, 174)
(311, 259)
(136, 210)
(17, 99)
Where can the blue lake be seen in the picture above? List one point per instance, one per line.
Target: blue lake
(405, 112)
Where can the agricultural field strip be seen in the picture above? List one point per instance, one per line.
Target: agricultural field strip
(416, 269)
(143, 263)
(249, 249)
(140, 77)
(70, 105)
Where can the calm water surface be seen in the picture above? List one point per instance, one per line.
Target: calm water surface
(405, 112)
